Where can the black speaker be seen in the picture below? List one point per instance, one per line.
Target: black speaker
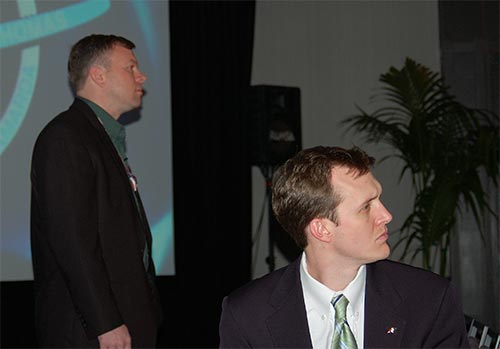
(274, 116)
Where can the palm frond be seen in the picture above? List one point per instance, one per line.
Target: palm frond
(442, 145)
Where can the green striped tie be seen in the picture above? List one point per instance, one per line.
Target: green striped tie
(342, 335)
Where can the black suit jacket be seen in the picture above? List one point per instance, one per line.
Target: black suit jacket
(87, 238)
(423, 308)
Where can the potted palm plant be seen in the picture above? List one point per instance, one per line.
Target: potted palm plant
(445, 147)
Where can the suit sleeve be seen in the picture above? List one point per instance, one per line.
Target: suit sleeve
(230, 333)
(449, 326)
(65, 185)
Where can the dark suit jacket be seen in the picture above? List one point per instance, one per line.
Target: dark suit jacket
(423, 307)
(87, 238)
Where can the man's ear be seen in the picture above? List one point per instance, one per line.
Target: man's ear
(96, 74)
(318, 230)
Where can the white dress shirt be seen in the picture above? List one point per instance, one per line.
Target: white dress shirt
(320, 311)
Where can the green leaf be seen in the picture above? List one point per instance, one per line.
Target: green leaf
(443, 146)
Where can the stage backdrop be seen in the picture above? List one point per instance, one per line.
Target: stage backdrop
(35, 39)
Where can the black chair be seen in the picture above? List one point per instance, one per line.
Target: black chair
(489, 339)
(480, 335)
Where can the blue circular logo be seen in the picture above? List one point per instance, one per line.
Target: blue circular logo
(32, 27)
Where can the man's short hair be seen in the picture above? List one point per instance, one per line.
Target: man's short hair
(302, 187)
(90, 50)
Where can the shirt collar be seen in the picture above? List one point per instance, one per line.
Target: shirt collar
(354, 292)
(114, 129)
(317, 296)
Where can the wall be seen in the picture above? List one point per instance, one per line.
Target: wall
(334, 51)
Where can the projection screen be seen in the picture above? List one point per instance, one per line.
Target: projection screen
(35, 39)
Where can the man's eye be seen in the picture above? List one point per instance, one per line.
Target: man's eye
(366, 207)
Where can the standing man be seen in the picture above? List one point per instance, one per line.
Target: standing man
(342, 292)
(90, 238)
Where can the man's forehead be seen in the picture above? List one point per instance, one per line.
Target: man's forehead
(343, 176)
(348, 172)
(123, 51)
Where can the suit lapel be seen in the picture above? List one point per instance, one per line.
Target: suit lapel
(288, 324)
(383, 327)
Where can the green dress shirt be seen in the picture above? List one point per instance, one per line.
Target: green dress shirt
(116, 132)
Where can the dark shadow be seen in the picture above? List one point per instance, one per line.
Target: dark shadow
(130, 117)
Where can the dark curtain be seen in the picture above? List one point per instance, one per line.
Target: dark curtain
(469, 36)
(211, 51)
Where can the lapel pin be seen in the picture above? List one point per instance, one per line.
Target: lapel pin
(391, 330)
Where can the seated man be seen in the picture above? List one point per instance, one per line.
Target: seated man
(342, 292)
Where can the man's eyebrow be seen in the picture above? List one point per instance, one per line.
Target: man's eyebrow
(372, 198)
(132, 60)
(369, 200)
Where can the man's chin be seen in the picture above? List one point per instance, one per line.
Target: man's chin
(383, 253)
(388, 252)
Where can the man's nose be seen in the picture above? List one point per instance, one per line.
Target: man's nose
(141, 77)
(386, 216)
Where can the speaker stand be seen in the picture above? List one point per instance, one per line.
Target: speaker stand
(268, 172)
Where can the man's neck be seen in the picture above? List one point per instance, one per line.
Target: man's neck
(99, 101)
(334, 274)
